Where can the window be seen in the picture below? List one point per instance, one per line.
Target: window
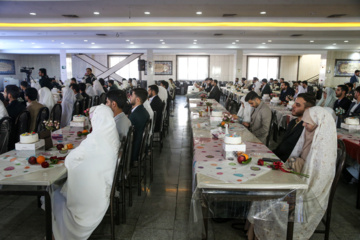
(129, 71)
(263, 67)
(192, 67)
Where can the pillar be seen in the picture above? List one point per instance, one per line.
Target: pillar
(150, 67)
(238, 71)
(63, 70)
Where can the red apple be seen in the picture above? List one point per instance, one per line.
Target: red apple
(241, 158)
(45, 164)
(59, 146)
(32, 160)
(79, 133)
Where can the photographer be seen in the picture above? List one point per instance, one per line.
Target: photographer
(44, 79)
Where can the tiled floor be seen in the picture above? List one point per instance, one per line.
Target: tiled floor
(163, 212)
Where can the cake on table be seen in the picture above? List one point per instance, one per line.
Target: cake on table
(29, 138)
(232, 144)
(352, 121)
(79, 118)
(232, 139)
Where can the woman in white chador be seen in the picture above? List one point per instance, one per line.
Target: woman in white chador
(89, 90)
(3, 112)
(328, 98)
(67, 104)
(46, 98)
(315, 155)
(81, 203)
(98, 89)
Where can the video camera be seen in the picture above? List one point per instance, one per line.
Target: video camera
(27, 71)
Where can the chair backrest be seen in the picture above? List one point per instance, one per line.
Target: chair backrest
(96, 100)
(228, 101)
(273, 117)
(128, 150)
(102, 99)
(233, 107)
(76, 109)
(90, 101)
(56, 113)
(118, 169)
(22, 123)
(42, 116)
(5, 130)
(82, 106)
(86, 103)
(144, 140)
(163, 117)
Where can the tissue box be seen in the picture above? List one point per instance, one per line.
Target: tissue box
(350, 127)
(83, 124)
(234, 147)
(30, 149)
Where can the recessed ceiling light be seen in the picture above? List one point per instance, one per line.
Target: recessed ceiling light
(32, 43)
(198, 13)
(262, 12)
(269, 40)
(62, 43)
(163, 43)
(334, 43)
(85, 40)
(131, 43)
(21, 40)
(96, 13)
(195, 43)
(263, 43)
(346, 41)
(92, 43)
(195, 40)
(311, 40)
(147, 13)
(237, 40)
(161, 40)
(33, 14)
(53, 40)
(233, 43)
(127, 40)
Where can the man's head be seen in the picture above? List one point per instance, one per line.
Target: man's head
(153, 90)
(24, 85)
(271, 80)
(304, 84)
(214, 82)
(88, 71)
(11, 93)
(253, 99)
(357, 93)
(75, 88)
(357, 72)
(82, 87)
(111, 82)
(31, 94)
(236, 80)
(282, 80)
(116, 100)
(42, 72)
(102, 81)
(276, 81)
(138, 96)
(243, 79)
(255, 79)
(303, 102)
(284, 85)
(164, 84)
(295, 84)
(263, 82)
(73, 81)
(350, 86)
(341, 91)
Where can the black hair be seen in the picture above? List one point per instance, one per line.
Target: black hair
(264, 80)
(111, 82)
(243, 79)
(102, 81)
(31, 93)
(356, 71)
(350, 85)
(282, 79)
(24, 84)
(357, 89)
(165, 83)
(310, 99)
(275, 80)
(141, 93)
(216, 82)
(73, 79)
(155, 88)
(286, 84)
(89, 69)
(13, 90)
(82, 87)
(343, 88)
(251, 96)
(43, 70)
(305, 82)
(75, 87)
(255, 78)
(118, 96)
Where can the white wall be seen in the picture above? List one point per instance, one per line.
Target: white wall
(49, 61)
(222, 67)
(289, 68)
(309, 66)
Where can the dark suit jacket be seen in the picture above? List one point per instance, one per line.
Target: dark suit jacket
(310, 89)
(34, 108)
(353, 79)
(138, 119)
(265, 90)
(344, 104)
(289, 91)
(215, 94)
(356, 111)
(14, 109)
(208, 89)
(289, 141)
(157, 105)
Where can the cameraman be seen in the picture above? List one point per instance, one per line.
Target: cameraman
(89, 76)
(44, 79)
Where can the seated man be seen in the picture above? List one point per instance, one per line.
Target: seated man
(260, 118)
(82, 88)
(354, 109)
(343, 102)
(112, 85)
(208, 85)
(165, 85)
(215, 92)
(76, 90)
(55, 84)
(351, 92)
(307, 88)
(295, 127)
(33, 106)
(265, 88)
(138, 117)
(286, 91)
(102, 83)
(23, 86)
(116, 100)
(15, 107)
(156, 105)
(73, 81)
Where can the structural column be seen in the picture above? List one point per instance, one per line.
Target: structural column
(150, 67)
(63, 70)
(238, 63)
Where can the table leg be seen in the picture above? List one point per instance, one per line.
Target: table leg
(48, 213)
(205, 212)
(292, 205)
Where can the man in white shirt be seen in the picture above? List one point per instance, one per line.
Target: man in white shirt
(256, 86)
(354, 109)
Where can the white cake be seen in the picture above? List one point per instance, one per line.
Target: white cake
(29, 138)
(216, 113)
(232, 139)
(275, 99)
(79, 118)
(352, 121)
(290, 104)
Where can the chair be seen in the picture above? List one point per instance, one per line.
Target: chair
(76, 109)
(86, 103)
(159, 134)
(90, 101)
(82, 106)
(228, 101)
(56, 113)
(21, 125)
(141, 161)
(340, 161)
(42, 116)
(96, 100)
(150, 149)
(273, 117)
(126, 176)
(5, 130)
(233, 107)
(102, 99)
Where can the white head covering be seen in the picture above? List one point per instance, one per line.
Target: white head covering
(257, 87)
(331, 111)
(3, 112)
(36, 85)
(67, 104)
(117, 84)
(245, 110)
(124, 85)
(89, 90)
(98, 89)
(330, 98)
(46, 98)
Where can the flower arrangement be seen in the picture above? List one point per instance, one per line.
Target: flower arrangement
(227, 118)
(51, 125)
(278, 165)
(203, 96)
(339, 111)
(209, 104)
(87, 111)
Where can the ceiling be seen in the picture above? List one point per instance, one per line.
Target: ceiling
(177, 24)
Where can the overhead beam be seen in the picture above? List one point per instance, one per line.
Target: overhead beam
(120, 65)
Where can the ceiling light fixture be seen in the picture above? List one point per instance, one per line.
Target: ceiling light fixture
(53, 40)
(127, 40)
(334, 44)
(311, 40)
(33, 14)
(263, 43)
(147, 13)
(198, 13)
(161, 40)
(195, 40)
(237, 40)
(346, 41)
(163, 43)
(96, 13)
(85, 40)
(269, 40)
(92, 43)
(262, 12)
(131, 43)
(62, 43)
(233, 43)
(21, 40)
(32, 43)
(195, 43)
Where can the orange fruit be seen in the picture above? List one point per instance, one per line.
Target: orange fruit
(40, 159)
(245, 155)
(70, 146)
(222, 123)
(85, 131)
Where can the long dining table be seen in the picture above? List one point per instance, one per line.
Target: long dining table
(18, 177)
(214, 177)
